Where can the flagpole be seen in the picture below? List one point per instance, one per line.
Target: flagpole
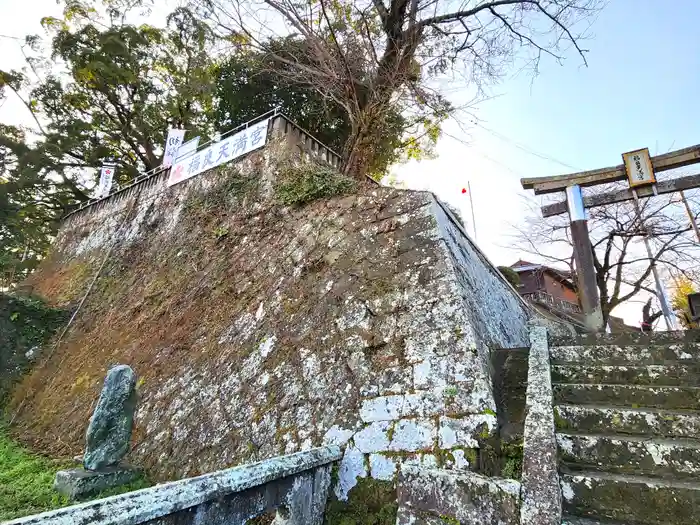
(471, 205)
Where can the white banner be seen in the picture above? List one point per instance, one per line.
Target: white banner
(188, 147)
(219, 153)
(172, 145)
(106, 177)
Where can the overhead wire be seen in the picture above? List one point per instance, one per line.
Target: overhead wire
(524, 147)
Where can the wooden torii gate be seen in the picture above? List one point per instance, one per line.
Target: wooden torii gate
(639, 169)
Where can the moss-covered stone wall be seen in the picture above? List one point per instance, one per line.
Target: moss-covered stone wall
(258, 329)
(26, 324)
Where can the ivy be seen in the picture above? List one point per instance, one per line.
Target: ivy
(299, 185)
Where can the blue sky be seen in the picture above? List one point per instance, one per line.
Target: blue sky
(641, 89)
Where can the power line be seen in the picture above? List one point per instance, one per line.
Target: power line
(523, 147)
(481, 154)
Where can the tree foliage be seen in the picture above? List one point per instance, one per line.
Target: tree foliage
(679, 301)
(249, 83)
(379, 57)
(103, 89)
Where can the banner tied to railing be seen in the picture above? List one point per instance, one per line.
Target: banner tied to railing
(106, 177)
(225, 150)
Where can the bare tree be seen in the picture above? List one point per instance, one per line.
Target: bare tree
(623, 268)
(372, 55)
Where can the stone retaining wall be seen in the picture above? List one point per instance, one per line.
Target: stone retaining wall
(365, 321)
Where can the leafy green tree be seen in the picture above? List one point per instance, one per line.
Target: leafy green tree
(104, 89)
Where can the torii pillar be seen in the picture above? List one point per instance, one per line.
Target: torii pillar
(583, 256)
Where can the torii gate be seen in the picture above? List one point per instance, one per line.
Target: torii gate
(639, 169)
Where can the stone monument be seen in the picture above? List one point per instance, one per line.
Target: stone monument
(107, 439)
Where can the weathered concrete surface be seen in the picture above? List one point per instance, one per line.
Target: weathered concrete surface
(510, 385)
(79, 483)
(640, 421)
(613, 354)
(628, 429)
(665, 458)
(631, 499)
(541, 503)
(627, 339)
(433, 496)
(298, 484)
(640, 374)
(109, 432)
(669, 397)
(365, 320)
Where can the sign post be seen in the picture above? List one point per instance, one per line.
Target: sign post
(640, 172)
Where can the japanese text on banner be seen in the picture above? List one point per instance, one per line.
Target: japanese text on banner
(219, 153)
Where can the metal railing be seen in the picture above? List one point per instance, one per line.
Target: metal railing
(544, 297)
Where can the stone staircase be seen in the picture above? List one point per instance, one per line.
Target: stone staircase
(627, 416)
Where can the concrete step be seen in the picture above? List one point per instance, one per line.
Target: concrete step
(634, 421)
(676, 374)
(573, 520)
(630, 499)
(629, 339)
(620, 355)
(632, 396)
(659, 457)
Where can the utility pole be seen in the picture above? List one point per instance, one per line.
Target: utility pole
(668, 316)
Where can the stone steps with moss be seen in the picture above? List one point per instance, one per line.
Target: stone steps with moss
(631, 499)
(659, 457)
(632, 396)
(628, 421)
(660, 375)
(573, 520)
(627, 339)
(626, 355)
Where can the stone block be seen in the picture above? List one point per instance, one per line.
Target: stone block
(79, 483)
(463, 497)
(384, 408)
(108, 435)
(464, 432)
(373, 438)
(382, 467)
(413, 434)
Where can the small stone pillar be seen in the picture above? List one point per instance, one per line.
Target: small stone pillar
(107, 439)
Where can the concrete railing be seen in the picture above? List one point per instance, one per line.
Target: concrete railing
(295, 485)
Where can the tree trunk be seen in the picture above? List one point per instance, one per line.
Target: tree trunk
(360, 150)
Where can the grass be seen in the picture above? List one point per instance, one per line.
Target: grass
(26, 481)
